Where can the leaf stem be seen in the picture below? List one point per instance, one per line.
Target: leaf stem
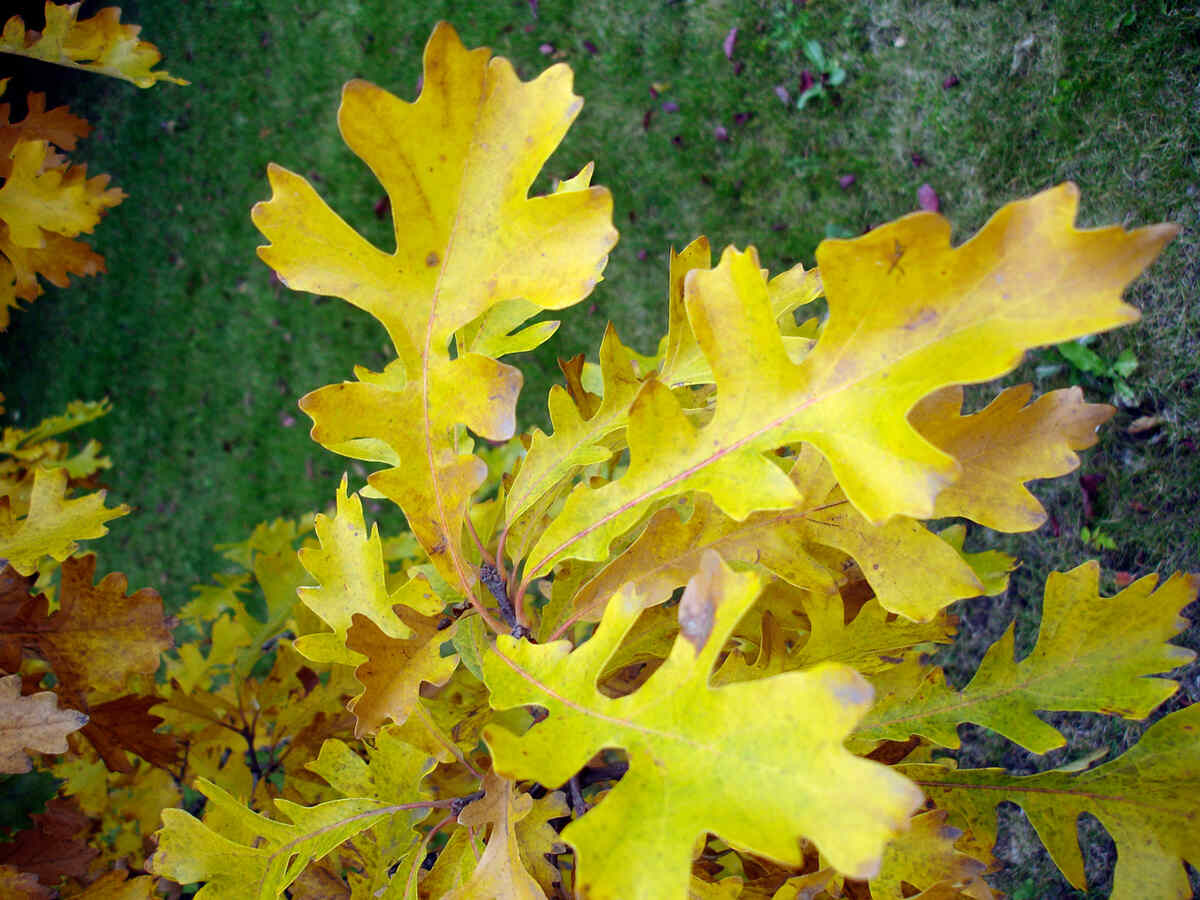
(440, 737)
(483, 553)
(409, 887)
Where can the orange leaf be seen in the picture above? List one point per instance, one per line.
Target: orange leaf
(1005, 445)
(98, 637)
(392, 675)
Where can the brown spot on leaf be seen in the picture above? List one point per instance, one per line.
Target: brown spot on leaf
(432, 259)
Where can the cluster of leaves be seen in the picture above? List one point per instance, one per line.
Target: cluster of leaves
(681, 646)
(45, 200)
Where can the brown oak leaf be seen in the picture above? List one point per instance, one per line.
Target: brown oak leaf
(55, 847)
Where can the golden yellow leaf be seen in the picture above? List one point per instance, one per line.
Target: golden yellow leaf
(1005, 445)
(750, 762)
(37, 198)
(924, 856)
(500, 873)
(99, 44)
(117, 885)
(908, 315)
(395, 668)
(788, 543)
(57, 126)
(457, 165)
(34, 722)
(58, 259)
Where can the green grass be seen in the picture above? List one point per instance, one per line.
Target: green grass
(204, 355)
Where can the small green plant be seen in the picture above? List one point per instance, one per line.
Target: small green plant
(828, 74)
(1088, 368)
(1097, 537)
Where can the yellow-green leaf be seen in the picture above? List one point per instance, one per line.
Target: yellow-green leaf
(54, 524)
(352, 580)
(1094, 654)
(243, 854)
(576, 441)
(1145, 798)
(752, 762)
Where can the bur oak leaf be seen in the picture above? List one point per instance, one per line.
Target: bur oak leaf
(760, 764)
(395, 668)
(56, 261)
(1094, 654)
(1145, 799)
(500, 873)
(352, 580)
(34, 722)
(908, 315)
(37, 198)
(576, 441)
(57, 126)
(54, 523)
(925, 856)
(98, 637)
(1004, 445)
(99, 44)
(457, 165)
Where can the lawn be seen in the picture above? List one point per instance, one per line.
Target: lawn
(204, 354)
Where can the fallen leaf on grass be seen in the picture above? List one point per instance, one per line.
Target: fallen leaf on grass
(927, 198)
(730, 40)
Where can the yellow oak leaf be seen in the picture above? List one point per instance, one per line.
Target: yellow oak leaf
(352, 576)
(868, 643)
(924, 856)
(1145, 798)
(787, 543)
(1094, 654)
(395, 668)
(759, 764)
(500, 873)
(683, 361)
(99, 44)
(457, 165)
(537, 839)
(54, 523)
(1005, 445)
(908, 315)
(240, 853)
(454, 866)
(34, 722)
(37, 198)
(57, 126)
(576, 441)
(117, 885)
